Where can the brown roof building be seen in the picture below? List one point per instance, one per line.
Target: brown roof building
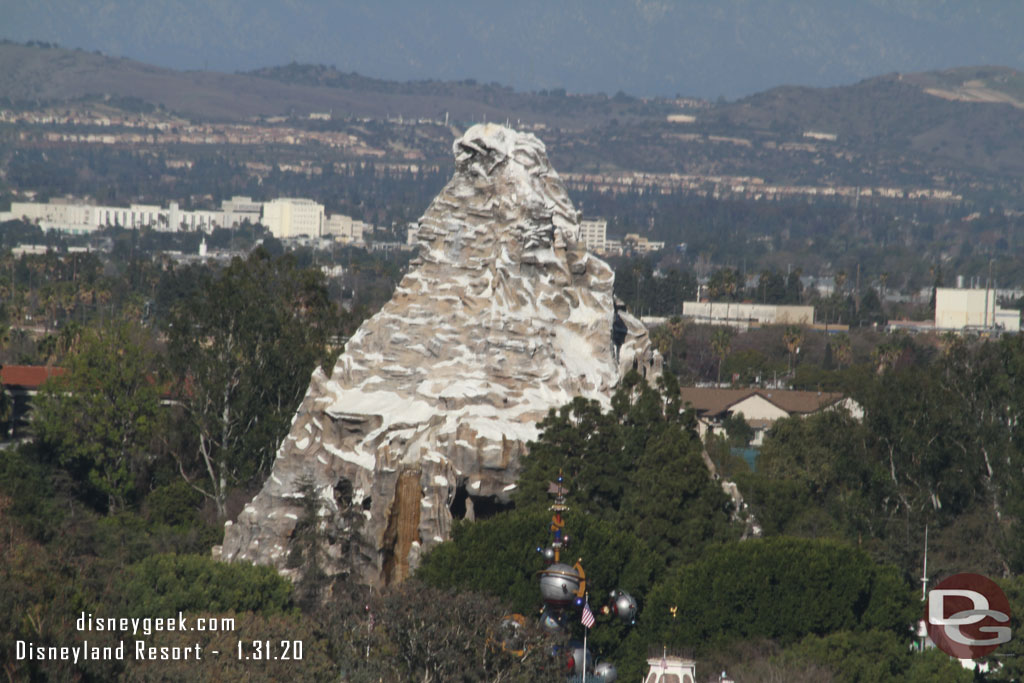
(760, 407)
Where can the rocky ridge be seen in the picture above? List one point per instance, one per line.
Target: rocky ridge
(502, 316)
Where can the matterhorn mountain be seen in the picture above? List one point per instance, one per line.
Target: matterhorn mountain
(502, 316)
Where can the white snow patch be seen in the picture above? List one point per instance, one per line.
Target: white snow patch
(390, 406)
(364, 460)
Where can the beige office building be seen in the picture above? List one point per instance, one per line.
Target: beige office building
(594, 234)
(293, 217)
(957, 309)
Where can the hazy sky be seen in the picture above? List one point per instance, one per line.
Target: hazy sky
(703, 48)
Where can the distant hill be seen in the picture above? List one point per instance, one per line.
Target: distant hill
(958, 129)
(701, 48)
(53, 74)
(974, 84)
(897, 113)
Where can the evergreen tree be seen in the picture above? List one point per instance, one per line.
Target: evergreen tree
(98, 419)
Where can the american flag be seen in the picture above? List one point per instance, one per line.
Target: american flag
(588, 617)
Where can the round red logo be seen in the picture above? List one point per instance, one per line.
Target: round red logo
(967, 616)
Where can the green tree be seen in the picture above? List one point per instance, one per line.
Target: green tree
(793, 337)
(794, 288)
(771, 287)
(874, 656)
(725, 285)
(779, 588)
(739, 432)
(242, 347)
(721, 342)
(842, 351)
(672, 504)
(588, 447)
(98, 420)
(163, 585)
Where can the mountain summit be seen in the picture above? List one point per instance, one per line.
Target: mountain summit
(503, 316)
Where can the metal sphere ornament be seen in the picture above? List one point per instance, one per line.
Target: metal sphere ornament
(559, 584)
(549, 555)
(624, 606)
(606, 672)
(578, 658)
(551, 621)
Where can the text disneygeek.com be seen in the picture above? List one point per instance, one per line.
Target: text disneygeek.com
(140, 649)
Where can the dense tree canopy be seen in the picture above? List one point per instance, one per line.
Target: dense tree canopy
(242, 346)
(99, 419)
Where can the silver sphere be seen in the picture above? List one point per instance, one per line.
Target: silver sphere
(624, 606)
(578, 656)
(558, 584)
(606, 672)
(549, 555)
(551, 621)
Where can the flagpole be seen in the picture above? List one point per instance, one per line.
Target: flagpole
(586, 630)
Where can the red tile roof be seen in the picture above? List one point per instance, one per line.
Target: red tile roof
(28, 376)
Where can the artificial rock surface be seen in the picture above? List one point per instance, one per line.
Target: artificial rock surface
(502, 316)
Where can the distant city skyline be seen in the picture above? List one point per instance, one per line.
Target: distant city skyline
(702, 48)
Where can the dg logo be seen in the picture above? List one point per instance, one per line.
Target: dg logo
(968, 616)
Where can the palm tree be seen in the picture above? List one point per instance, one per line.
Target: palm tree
(47, 347)
(793, 337)
(840, 280)
(68, 339)
(721, 342)
(841, 350)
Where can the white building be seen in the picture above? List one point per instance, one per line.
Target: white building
(238, 210)
(743, 315)
(56, 215)
(641, 245)
(339, 226)
(293, 217)
(671, 669)
(594, 234)
(179, 220)
(959, 309)
(346, 229)
(79, 218)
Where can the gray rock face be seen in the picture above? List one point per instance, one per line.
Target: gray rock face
(502, 316)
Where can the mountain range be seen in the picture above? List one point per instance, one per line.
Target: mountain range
(696, 48)
(957, 129)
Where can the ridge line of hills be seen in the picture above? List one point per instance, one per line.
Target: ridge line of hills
(50, 73)
(956, 130)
